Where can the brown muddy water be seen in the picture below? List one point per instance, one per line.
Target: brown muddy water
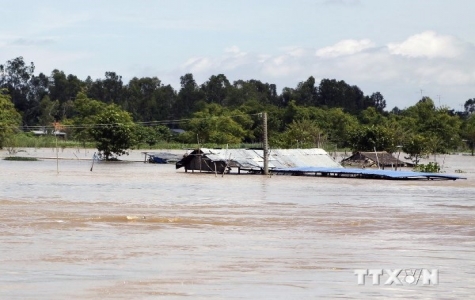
(130, 230)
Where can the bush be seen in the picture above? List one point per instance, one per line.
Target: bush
(431, 167)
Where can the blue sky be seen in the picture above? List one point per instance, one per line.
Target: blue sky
(396, 47)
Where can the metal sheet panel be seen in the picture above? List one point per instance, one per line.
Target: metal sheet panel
(278, 158)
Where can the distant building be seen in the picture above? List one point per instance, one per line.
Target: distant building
(177, 130)
(43, 132)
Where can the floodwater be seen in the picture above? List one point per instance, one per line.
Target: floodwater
(131, 230)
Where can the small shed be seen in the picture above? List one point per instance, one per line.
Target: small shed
(380, 159)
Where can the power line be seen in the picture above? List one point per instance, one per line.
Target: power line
(147, 123)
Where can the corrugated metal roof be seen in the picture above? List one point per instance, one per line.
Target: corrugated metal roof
(278, 158)
(314, 157)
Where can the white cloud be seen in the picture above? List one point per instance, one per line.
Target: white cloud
(345, 47)
(401, 70)
(428, 44)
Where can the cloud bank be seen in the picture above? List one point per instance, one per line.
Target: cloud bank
(427, 60)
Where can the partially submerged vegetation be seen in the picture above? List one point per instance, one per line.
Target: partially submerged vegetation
(20, 158)
(431, 167)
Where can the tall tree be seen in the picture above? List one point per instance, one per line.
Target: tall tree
(85, 110)
(188, 97)
(303, 134)
(64, 88)
(252, 90)
(10, 119)
(49, 111)
(378, 102)
(140, 98)
(306, 93)
(468, 132)
(216, 89)
(113, 132)
(417, 147)
(439, 128)
(108, 90)
(15, 76)
(371, 137)
(332, 93)
(217, 124)
(470, 106)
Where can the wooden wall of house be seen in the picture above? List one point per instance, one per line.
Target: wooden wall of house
(204, 164)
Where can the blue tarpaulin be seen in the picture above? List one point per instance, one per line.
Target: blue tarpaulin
(364, 173)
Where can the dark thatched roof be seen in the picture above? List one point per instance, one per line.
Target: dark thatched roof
(369, 159)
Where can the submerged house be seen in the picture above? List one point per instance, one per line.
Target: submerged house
(45, 132)
(374, 160)
(252, 160)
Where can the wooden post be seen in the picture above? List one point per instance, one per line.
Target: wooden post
(377, 159)
(266, 145)
(57, 158)
(397, 162)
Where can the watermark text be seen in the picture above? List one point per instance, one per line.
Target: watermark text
(398, 276)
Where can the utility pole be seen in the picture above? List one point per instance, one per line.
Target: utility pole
(266, 145)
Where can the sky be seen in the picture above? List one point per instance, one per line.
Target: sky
(404, 49)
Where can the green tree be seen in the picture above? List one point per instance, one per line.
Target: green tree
(108, 90)
(303, 134)
(306, 93)
(216, 89)
(468, 132)
(469, 106)
(152, 135)
(440, 129)
(113, 132)
(215, 124)
(188, 97)
(252, 90)
(417, 147)
(332, 93)
(64, 89)
(10, 119)
(85, 112)
(48, 111)
(336, 124)
(371, 137)
(378, 102)
(147, 135)
(15, 77)
(371, 116)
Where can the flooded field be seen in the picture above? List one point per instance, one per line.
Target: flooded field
(129, 230)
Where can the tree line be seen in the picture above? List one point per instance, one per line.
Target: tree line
(217, 111)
